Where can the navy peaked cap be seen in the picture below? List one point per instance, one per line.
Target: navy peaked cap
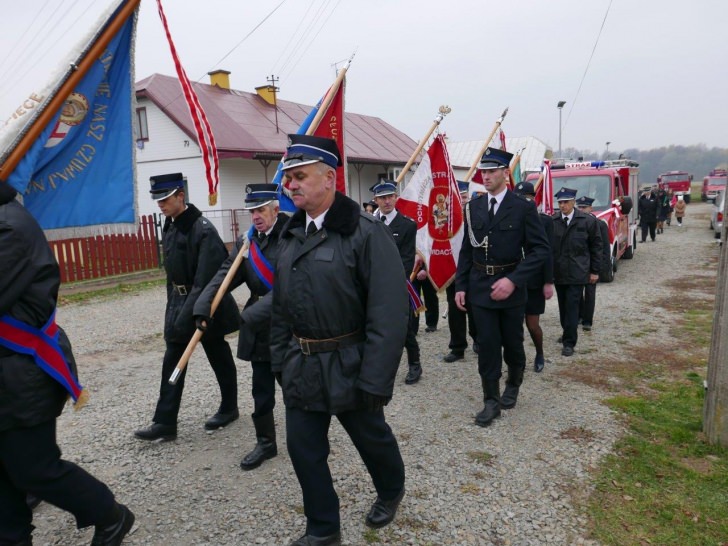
(305, 150)
(494, 158)
(565, 194)
(584, 201)
(164, 185)
(384, 187)
(257, 195)
(525, 188)
(463, 186)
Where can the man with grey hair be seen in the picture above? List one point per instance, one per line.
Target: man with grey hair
(340, 316)
(260, 247)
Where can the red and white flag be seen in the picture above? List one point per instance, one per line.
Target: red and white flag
(332, 126)
(503, 140)
(205, 138)
(432, 200)
(545, 191)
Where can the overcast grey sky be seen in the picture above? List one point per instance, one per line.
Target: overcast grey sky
(659, 74)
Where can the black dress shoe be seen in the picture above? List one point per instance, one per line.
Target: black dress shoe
(414, 374)
(453, 356)
(114, 534)
(310, 540)
(567, 350)
(263, 450)
(488, 413)
(220, 420)
(157, 431)
(382, 512)
(586, 327)
(431, 329)
(538, 364)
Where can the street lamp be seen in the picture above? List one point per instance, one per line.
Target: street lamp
(560, 106)
(607, 153)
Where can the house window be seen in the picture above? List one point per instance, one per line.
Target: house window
(142, 131)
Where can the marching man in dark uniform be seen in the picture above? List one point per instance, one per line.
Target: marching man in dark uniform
(340, 316)
(587, 301)
(541, 285)
(260, 247)
(404, 232)
(577, 254)
(34, 389)
(503, 247)
(193, 252)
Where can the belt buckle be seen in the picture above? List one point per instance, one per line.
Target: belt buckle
(181, 289)
(490, 270)
(305, 347)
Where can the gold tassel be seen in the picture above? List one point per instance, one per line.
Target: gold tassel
(82, 400)
(212, 199)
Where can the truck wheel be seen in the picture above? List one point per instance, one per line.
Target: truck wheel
(629, 251)
(686, 197)
(607, 275)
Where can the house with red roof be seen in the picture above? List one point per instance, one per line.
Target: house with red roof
(251, 135)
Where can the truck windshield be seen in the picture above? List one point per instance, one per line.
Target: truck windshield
(717, 181)
(596, 186)
(674, 177)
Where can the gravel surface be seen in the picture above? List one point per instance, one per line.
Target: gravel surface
(518, 482)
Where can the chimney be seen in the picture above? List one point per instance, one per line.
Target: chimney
(220, 78)
(267, 93)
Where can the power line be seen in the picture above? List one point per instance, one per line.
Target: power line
(573, 103)
(306, 33)
(292, 37)
(314, 37)
(27, 29)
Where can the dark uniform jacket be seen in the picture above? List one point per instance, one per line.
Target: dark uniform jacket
(29, 281)
(515, 236)
(345, 278)
(404, 231)
(606, 246)
(577, 249)
(193, 252)
(546, 274)
(647, 209)
(253, 342)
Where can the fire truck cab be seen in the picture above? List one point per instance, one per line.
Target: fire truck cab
(713, 183)
(677, 181)
(613, 186)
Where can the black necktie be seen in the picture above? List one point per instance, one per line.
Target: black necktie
(566, 221)
(311, 228)
(383, 219)
(261, 236)
(491, 210)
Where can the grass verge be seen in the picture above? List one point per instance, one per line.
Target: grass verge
(120, 289)
(664, 484)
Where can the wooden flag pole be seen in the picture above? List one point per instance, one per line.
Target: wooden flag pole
(77, 72)
(474, 166)
(442, 112)
(329, 97)
(215, 303)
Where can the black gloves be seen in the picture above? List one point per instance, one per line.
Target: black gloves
(202, 322)
(374, 402)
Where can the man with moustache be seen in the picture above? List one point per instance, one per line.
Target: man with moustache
(340, 318)
(503, 247)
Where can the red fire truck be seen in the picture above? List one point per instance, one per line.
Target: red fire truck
(677, 181)
(713, 183)
(613, 185)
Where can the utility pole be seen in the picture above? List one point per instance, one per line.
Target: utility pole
(272, 81)
(607, 153)
(715, 410)
(560, 106)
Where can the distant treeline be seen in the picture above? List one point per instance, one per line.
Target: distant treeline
(698, 160)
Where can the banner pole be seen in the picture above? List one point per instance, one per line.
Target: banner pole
(329, 97)
(474, 166)
(442, 112)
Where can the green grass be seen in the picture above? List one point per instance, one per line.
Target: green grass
(665, 484)
(120, 289)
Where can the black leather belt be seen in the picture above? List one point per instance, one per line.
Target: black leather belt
(181, 289)
(496, 269)
(310, 346)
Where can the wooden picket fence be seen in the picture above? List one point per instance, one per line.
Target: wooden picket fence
(106, 255)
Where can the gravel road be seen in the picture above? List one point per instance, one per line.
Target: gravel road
(518, 482)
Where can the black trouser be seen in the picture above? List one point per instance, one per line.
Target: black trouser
(648, 226)
(568, 296)
(500, 336)
(308, 447)
(587, 301)
(264, 389)
(222, 363)
(410, 342)
(431, 300)
(30, 462)
(459, 322)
